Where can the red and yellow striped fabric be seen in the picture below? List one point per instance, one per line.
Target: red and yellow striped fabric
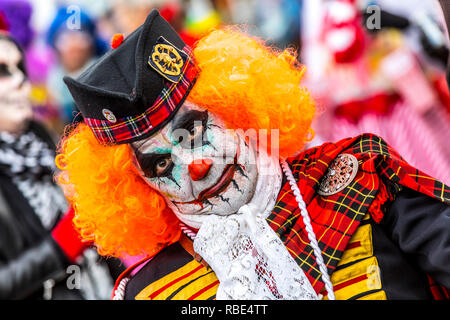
(190, 282)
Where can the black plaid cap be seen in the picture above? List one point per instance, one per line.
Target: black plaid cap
(122, 80)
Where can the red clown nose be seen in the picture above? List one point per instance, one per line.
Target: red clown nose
(199, 168)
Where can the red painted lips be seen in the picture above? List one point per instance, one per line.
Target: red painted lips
(220, 185)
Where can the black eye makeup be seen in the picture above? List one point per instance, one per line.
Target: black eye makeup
(189, 128)
(4, 70)
(22, 68)
(155, 165)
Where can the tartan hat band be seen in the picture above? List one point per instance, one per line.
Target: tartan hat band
(112, 130)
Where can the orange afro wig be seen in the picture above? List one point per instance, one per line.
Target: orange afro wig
(114, 207)
(252, 86)
(246, 83)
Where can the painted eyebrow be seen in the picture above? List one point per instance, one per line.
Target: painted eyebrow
(155, 153)
(186, 119)
(138, 145)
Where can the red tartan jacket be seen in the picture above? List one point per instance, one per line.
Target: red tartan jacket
(381, 174)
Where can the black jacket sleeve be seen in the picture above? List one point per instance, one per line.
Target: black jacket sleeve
(28, 254)
(420, 225)
(26, 273)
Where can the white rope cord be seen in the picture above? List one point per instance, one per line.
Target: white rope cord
(187, 231)
(119, 293)
(309, 229)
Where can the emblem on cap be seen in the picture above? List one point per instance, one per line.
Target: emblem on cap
(167, 60)
(340, 174)
(109, 115)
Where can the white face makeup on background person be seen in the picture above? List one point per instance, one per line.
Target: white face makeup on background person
(15, 106)
(197, 164)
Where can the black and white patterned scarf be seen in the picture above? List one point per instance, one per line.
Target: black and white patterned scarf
(29, 162)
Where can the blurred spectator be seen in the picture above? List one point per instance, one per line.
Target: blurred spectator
(73, 36)
(445, 5)
(276, 21)
(127, 15)
(385, 81)
(130, 14)
(37, 238)
(19, 15)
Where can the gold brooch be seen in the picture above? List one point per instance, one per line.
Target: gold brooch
(167, 60)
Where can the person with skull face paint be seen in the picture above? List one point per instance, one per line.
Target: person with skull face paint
(37, 238)
(30, 203)
(166, 164)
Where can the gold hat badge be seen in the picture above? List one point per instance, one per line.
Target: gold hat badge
(167, 60)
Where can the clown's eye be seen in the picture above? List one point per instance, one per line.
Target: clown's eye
(155, 165)
(162, 166)
(190, 129)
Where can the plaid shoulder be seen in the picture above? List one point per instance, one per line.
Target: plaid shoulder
(365, 144)
(393, 169)
(371, 144)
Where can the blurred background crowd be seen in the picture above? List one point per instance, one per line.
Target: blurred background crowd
(372, 66)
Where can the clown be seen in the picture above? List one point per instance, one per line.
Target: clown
(193, 158)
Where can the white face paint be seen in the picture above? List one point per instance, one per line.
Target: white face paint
(15, 107)
(197, 164)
